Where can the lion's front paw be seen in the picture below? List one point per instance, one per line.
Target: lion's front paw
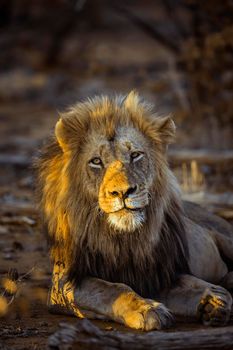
(215, 306)
(149, 316)
(143, 314)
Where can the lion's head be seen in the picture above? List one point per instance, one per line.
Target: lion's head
(107, 194)
(120, 145)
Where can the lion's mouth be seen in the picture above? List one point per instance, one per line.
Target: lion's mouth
(126, 210)
(132, 209)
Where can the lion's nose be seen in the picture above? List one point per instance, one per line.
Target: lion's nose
(123, 192)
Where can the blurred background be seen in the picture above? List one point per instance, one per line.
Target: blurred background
(177, 53)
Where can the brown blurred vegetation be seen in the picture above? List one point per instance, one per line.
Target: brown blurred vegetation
(49, 47)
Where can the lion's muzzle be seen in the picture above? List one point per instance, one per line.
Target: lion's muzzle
(118, 192)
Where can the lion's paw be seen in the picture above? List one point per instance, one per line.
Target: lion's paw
(215, 306)
(148, 315)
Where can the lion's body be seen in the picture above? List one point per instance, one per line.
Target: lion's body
(210, 244)
(115, 217)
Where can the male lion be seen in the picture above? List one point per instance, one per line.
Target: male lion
(123, 247)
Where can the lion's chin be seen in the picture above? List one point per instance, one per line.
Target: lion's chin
(126, 220)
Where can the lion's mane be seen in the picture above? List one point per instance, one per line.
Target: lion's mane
(148, 259)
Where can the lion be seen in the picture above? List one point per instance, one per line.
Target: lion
(124, 246)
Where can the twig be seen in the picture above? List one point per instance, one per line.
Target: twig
(85, 335)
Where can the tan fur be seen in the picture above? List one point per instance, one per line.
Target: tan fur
(134, 310)
(119, 236)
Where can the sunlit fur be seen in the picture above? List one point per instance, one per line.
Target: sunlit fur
(144, 249)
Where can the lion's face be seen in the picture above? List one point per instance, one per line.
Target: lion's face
(120, 170)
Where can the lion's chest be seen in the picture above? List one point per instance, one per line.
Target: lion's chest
(132, 260)
(136, 267)
(141, 276)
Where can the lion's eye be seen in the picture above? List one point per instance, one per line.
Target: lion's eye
(96, 162)
(136, 156)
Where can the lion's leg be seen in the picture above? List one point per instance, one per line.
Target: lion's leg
(61, 294)
(96, 298)
(192, 297)
(118, 302)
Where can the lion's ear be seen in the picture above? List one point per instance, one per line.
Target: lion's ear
(61, 135)
(166, 128)
(132, 101)
(70, 130)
